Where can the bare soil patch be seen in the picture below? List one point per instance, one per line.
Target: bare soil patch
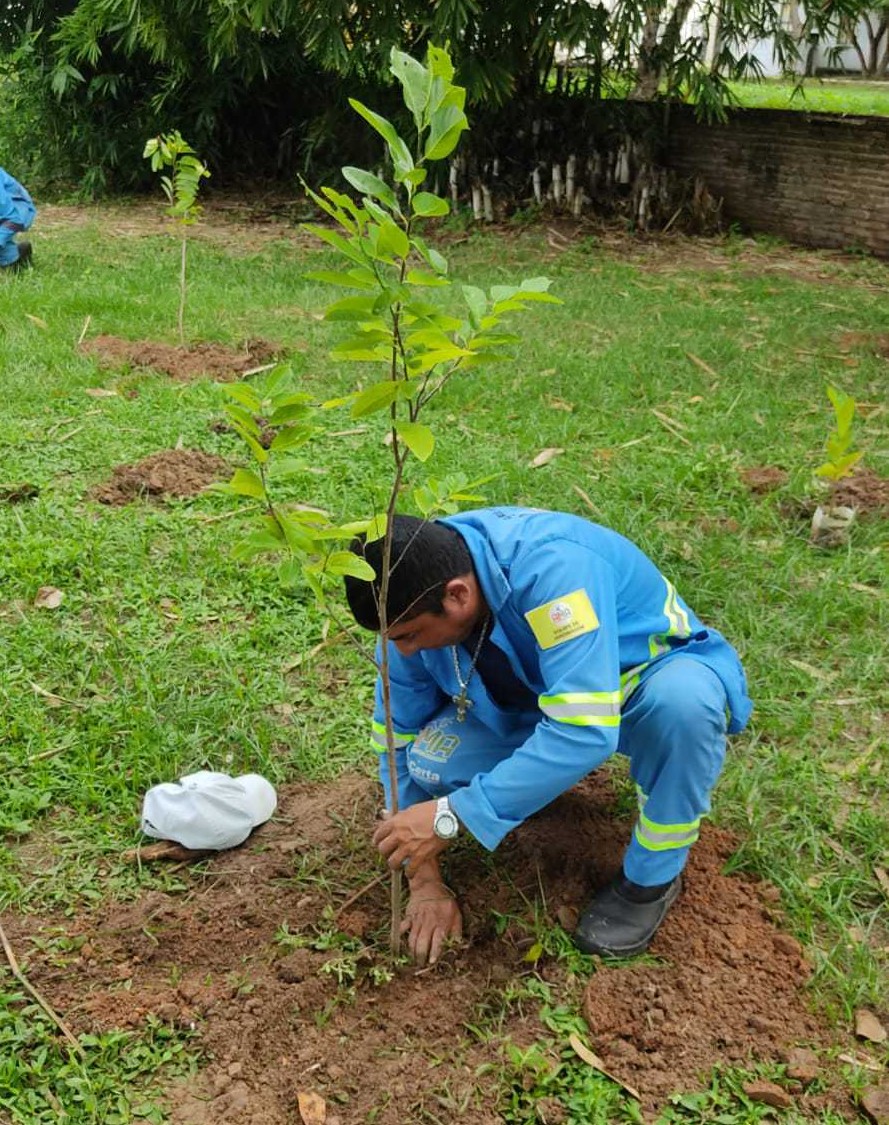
(183, 362)
(272, 1021)
(172, 472)
(763, 478)
(865, 490)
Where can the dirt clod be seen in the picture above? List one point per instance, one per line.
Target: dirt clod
(803, 1065)
(19, 493)
(172, 472)
(183, 362)
(767, 1093)
(875, 1103)
(763, 478)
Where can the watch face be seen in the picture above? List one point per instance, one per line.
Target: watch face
(446, 825)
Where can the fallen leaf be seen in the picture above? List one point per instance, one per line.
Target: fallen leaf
(99, 392)
(857, 935)
(700, 363)
(867, 1026)
(882, 879)
(48, 597)
(52, 699)
(544, 457)
(868, 1064)
(560, 404)
(38, 320)
(596, 1063)
(810, 669)
(312, 1107)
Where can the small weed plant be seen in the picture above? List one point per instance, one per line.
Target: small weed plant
(181, 175)
(403, 332)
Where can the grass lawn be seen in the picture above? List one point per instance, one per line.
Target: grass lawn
(671, 367)
(817, 95)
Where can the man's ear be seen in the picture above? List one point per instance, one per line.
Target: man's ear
(458, 592)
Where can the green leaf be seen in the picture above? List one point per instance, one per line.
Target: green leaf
(421, 277)
(415, 177)
(244, 421)
(345, 562)
(535, 952)
(393, 240)
(478, 359)
(376, 527)
(351, 280)
(298, 539)
(430, 255)
(477, 302)
(291, 571)
(843, 408)
(281, 467)
(415, 80)
(286, 414)
(292, 438)
(376, 397)
(350, 248)
(244, 482)
(439, 63)
(369, 184)
(536, 284)
(351, 308)
(839, 467)
(257, 543)
(245, 395)
(426, 204)
(260, 454)
(398, 150)
(418, 438)
(425, 361)
(445, 126)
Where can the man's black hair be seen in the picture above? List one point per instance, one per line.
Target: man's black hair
(425, 557)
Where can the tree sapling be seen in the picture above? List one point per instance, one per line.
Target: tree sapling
(398, 325)
(181, 185)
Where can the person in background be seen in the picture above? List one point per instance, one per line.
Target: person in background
(17, 213)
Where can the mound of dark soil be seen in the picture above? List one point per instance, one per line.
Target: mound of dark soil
(183, 362)
(172, 472)
(272, 1021)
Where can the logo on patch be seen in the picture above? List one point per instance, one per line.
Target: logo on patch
(560, 613)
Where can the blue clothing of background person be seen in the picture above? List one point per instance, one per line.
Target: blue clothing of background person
(17, 212)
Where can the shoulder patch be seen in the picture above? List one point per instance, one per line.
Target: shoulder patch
(563, 618)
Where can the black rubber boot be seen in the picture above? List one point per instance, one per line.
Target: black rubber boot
(616, 926)
(23, 261)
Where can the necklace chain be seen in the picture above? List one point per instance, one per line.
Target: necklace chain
(463, 703)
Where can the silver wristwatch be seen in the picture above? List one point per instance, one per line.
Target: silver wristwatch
(445, 825)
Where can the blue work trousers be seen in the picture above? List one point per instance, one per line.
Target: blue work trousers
(9, 228)
(673, 730)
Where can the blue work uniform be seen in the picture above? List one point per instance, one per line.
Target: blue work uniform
(17, 213)
(590, 652)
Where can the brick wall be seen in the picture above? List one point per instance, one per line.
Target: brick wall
(816, 179)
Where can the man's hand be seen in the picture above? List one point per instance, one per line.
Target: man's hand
(408, 835)
(431, 918)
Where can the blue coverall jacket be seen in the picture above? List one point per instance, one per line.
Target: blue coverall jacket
(583, 617)
(17, 213)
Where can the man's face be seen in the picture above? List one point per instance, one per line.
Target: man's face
(459, 613)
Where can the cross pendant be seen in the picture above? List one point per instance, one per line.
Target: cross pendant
(463, 704)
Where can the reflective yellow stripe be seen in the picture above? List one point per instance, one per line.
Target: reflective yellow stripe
(665, 837)
(677, 623)
(378, 737)
(629, 680)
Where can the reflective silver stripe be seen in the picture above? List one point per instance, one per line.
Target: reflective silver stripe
(591, 711)
(662, 838)
(629, 680)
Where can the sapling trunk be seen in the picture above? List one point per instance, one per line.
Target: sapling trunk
(182, 292)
